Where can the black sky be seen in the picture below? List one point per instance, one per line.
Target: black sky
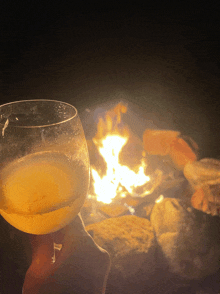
(162, 59)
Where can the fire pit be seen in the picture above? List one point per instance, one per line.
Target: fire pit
(141, 207)
(127, 173)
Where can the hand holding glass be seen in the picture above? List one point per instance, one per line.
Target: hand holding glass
(44, 165)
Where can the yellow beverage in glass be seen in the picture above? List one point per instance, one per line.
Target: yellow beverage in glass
(40, 192)
(43, 190)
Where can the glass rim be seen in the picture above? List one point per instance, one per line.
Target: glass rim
(41, 100)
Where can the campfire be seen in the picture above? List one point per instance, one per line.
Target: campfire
(125, 166)
(148, 196)
(121, 169)
(118, 180)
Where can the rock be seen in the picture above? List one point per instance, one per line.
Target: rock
(131, 201)
(148, 209)
(131, 244)
(113, 210)
(190, 239)
(205, 170)
(204, 177)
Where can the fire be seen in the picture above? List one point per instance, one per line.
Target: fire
(117, 175)
(119, 179)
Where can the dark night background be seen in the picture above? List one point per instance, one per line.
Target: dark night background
(162, 59)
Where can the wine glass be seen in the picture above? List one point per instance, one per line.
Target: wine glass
(44, 165)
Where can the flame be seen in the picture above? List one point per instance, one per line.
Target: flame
(117, 175)
(119, 180)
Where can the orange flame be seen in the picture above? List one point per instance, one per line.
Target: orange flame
(110, 139)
